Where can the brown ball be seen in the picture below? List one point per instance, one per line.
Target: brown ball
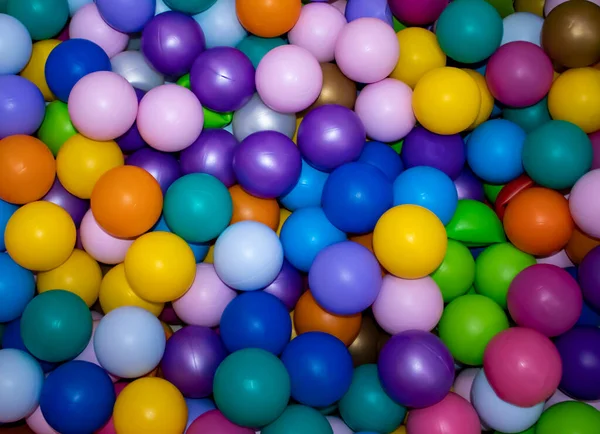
(337, 88)
(364, 348)
(571, 34)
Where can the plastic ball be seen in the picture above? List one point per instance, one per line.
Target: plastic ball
(367, 41)
(248, 207)
(199, 407)
(6, 212)
(75, 206)
(34, 70)
(16, 45)
(522, 26)
(307, 191)
(417, 13)
(17, 288)
(336, 89)
(582, 206)
(213, 422)
(255, 47)
(589, 278)
(133, 67)
(456, 273)
(21, 106)
(21, 379)
(220, 25)
(102, 246)
(162, 166)
(364, 8)
(255, 116)
(56, 127)
(452, 415)
(569, 416)
(383, 157)
(297, 419)
(288, 286)
(268, 19)
(487, 106)
(43, 19)
(87, 23)
(126, 16)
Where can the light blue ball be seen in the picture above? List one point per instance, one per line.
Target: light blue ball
(200, 250)
(220, 25)
(17, 288)
(307, 191)
(494, 151)
(21, 380)
(15, 45)
(6, 212)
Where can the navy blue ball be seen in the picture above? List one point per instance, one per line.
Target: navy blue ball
(382, 156)
(11, 338)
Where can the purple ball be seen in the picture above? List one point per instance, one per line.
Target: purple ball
(267, 164)
(288, 286)
(171, 41)
(424, 148)
(331, 135)
(589, 278)
(579, 350)
(211, 153)
(75, 206)
(132, 140)
(356, 9)
(416, 369)
(162, 166)
(223, 79)
(191, 358)
(22, 106)
(468, 186)
(127, 16)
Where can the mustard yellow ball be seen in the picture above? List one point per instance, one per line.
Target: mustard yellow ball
(487, 100)
(34, 71)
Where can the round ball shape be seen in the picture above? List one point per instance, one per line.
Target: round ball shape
(43, 18)
(21, 378)
(87, 23)
(17, 288)
(417, 13)
(16, 45)
(221, 25)
(297, 419)
(528, 118)
(268, 19)
(452, 415)
(162, 166)
(21, 106)
(127, 16)
(34, 70)
(75, 206)
(102, 246)
(288, 286)
(133, 67)
(213, 422)
(255, 47)
(582, 206)
(522, 26)
(308, 189)
(456, 273)
(589, 278)
(336, 89)
(384, 157)
(255, 116)
(567, 416)
(190, 7)
(248, 207)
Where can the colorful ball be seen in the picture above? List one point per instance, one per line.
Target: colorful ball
(163, 167)
(522, 26)
(87, 23)
(75, 206)
(221, 25)
(34, 70)
(417, 13)
(16, 45)
(589, 278)
(102, 246)
(529, 118)
(126, 16)
(248, 207)
(268, 19)
(297, 419)
(21, 106)
(569, 416)
(213, 422)
(307, 191)
(452, 415)
(43, 19)
(22, 380)
(582, 206)
(17, 288)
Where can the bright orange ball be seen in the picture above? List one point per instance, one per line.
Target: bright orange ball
(268, 18)
(580, 245)
(248, 207)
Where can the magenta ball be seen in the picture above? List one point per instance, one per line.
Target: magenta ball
(267, 164)
(162, 166)
(213, 422)
(417, 12)
(288, 286)
(519, 74)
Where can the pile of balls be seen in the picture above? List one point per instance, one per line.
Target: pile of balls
(286, 217)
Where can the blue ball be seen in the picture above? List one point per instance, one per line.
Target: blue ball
(197, 407)
(355, 196)
(12, 339)
(6, 212)
(305, 233)
(494, 151)
(200, 250)
(307, 191)
(320, 368)
(256, 320)
(383, 157)
(17, 288)
(77, 397)
(427, 187)
(70, 61)
(588, 317)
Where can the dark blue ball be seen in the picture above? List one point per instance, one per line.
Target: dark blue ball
(12, 339)
(382, 156)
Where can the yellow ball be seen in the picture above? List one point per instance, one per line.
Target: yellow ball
(419, 54)
(150, 405)
(532, 6)
(446, 101)
(575, 97)
(283, 216)
(34, 71)
(40, 236)
(160, 267)
(410, 241)
(487, 100)
(116, 292)
(80, 274)
(210, 256)
(81, 162)
(298, 122)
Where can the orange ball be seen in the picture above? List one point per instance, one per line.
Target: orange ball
(248, 207)
(268, 18)
(537, 221)
(126, 201)
(579, 245)
(310, 317)
(27, 169)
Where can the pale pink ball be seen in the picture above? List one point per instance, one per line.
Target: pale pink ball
(89, 354)
(385, 109)
(338, 425)
(559, 259)
(103, 106)
(452, 415)
(88, 24)
(340, 5)
(170, 118)
(464, 382)
(584, 205)
(99, 244)
(37, 423)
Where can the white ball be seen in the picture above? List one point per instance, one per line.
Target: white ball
(21, 380)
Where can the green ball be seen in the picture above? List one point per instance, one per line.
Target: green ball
(43, 18)
(190, 7)
(557, 154)
(570, 417)
(198, 207)
(211, 119)
(255, 47)
(495, 269)
(527, 431)
(299, 419)
(467, 326)
(529, 118)
(57, 127)
(366, 407)
(475, 224)
(251, 387)
(456, 273)
(56, 326)
(491, 191)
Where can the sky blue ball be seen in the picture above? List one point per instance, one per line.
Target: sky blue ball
(427, 187)
(200, 250)
(382, 156)
(17, 288)
(494, 151)
(6, 212)
(307, 191)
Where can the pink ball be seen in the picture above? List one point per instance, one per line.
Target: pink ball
(519, 74)
(170, 118)
(203, 304)
(103, 105)
(289, 79)
(385, 109)
(595, 138)
(551, 4)
(523, 366)
(464, 382)
(37, 423)
(109, 427)
(559, 259)
(367, 50)
(417, 12)
(88, 24)
(584, 205)
(404, 304)
(452, 415)
(213, 422)
(89, 354)
(338, 425)
(340, 5)
(99, 244)
(317, 30)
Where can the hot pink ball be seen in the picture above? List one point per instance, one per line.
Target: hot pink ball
(213, 422)
(88, 24)
(464, 382)
(519, 74)
(404, 304)
(584, 205)
(452, 415)
(385, 109)
(367, 50)
(317, 30)
(523, 366)
(289, 79)
(170, 118)
(417, 12)
(545, 298)
(109, 427)
(102, 106)
(99, 244)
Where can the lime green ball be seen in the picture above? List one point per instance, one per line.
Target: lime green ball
(398, 25)
(211, 119)
(456, 273)
(475, 224)
(491, 191)
(495, 269)
(57, 127)
(397, 146)
(56, 326)
(251, 376)
(299, 419)
(43, 18)
(467, 326)
(570, 417)
(190, 7)
(255, 47)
